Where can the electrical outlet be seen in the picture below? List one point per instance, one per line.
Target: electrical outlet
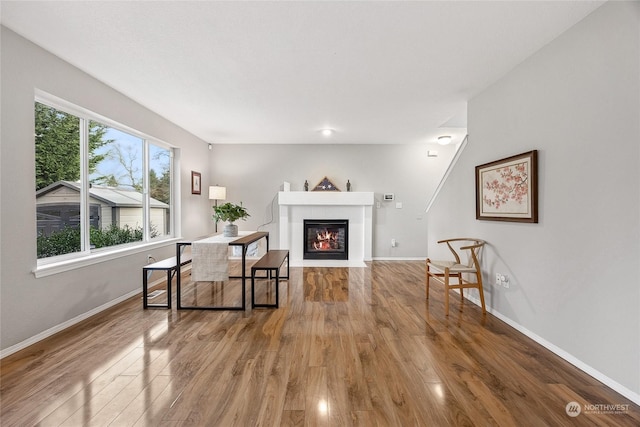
(505, 281)
(393, 243)
(502, 280)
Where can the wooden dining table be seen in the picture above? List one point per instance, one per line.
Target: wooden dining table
(242, 241)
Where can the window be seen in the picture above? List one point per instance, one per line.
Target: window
(159, 191)
(116, 180)
(97, 185)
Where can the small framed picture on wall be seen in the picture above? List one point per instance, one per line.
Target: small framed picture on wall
(196, 183)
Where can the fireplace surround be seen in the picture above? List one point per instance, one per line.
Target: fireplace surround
(296, 206)
(326, 239)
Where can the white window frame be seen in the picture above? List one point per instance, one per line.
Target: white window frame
(86, 256)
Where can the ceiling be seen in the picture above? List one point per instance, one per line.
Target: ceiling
(278, 72)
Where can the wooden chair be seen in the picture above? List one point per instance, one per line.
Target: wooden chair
(444, 271)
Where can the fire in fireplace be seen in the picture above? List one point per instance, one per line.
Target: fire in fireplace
(326, 239)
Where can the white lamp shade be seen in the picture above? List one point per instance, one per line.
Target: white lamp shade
(217, 193)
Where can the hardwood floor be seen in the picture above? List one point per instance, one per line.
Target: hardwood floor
(347, 347)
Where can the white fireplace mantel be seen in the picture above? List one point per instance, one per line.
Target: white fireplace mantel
(356, 198)
(357, 207)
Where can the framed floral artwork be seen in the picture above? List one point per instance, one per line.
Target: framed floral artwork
(507, 189)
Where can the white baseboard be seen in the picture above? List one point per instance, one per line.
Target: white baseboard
(421, 258)
(614, 385)
(62, 326)
(46, 334)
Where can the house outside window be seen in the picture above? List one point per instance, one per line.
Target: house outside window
(97, 185)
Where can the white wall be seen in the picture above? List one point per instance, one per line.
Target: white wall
(31, 306)
(575, 274)
(253, 175)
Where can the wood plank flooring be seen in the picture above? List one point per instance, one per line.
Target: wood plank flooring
(347, 347)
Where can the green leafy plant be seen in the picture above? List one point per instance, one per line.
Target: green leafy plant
(67, 240)
(230, 213)
(114, 235)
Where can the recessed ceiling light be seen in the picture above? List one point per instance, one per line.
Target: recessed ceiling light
(444, 140)
(327, 132)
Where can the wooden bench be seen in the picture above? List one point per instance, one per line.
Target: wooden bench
(171, 267)
(271, 262)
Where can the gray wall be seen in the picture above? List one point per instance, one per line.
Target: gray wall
(253, 174)
(574, 276)
(31, 306)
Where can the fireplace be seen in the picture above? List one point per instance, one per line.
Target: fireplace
(326, 239)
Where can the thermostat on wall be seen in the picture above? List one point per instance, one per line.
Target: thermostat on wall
(388, 196)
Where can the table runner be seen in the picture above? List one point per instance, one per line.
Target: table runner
(210, 258)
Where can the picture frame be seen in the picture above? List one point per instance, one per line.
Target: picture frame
(507, 189)
(196, 183)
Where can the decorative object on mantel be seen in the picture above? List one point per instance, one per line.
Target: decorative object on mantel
(348, 185)
(326, 185)
(230, 213)
(306, 185)
(507, 189)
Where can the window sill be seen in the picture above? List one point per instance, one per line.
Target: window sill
(96, 258)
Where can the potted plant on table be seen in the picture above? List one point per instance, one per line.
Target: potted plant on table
(230, 213)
